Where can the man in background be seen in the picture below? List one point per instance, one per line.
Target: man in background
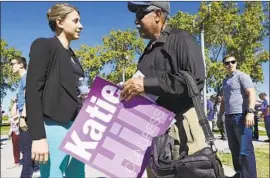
(19, 65)
(239, 98)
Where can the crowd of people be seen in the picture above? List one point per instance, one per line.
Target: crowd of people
(49, 100)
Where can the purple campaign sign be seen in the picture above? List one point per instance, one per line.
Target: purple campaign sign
(112, 136)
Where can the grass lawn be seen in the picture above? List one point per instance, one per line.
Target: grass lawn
(262, 133)
(4, 130)
(261, 124)
(262, 160)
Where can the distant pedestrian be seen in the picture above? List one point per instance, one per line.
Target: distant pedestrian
(221, 120)
(255, 134)
(210, 112)
(266, 113)
(15, 134)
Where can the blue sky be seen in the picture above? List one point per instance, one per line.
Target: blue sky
(23, 22)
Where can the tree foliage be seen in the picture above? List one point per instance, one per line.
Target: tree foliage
(122, 48)
(230, 29)
(7, 79)
(92, 60)
(118, 51)
(5, 117)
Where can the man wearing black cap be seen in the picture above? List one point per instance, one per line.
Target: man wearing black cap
(169, 51)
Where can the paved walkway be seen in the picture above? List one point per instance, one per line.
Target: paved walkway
(7, 159)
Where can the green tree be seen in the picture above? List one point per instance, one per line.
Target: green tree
(92, 59)
(230, 30)
(121, 48)
(117, 52)
(7, 79)
(5, 117)
(185, 21)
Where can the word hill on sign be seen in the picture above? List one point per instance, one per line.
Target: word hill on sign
(113, 136)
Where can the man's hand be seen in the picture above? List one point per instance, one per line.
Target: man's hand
(23, 125)
(249, 120)
(40, 151)
(131, 88)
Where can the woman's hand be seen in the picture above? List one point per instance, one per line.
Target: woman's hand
(40, 151)
(23, 125)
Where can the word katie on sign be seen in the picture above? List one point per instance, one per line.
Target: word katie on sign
(113, 136)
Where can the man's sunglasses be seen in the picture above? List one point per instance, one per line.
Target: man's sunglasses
(141, 13)
(229, 62)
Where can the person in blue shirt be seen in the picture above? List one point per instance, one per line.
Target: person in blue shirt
(210, 112)
(239, 99)
(266, 114)
(18, 65)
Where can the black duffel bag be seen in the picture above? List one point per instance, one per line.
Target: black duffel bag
(201, 164)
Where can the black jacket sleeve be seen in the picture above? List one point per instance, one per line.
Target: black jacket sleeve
(185, 54)
(36, 78)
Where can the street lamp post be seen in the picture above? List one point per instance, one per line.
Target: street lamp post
(123, 74)
(203, 55)
(123, 70)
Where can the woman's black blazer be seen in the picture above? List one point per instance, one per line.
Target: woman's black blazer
(50, 86)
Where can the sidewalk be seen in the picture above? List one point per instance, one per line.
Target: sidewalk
(261, 128)
(7, 159)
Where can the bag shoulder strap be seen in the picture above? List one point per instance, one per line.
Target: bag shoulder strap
(194, 93)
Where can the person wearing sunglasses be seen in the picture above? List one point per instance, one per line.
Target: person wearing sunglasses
(238, 104)
(169, 51)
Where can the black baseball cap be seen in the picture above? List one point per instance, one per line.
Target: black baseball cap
(134, 5)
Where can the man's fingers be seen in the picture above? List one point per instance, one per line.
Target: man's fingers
(130, 96)
(124, 93)
(122, 96)
(249, 123)
(126, 89)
